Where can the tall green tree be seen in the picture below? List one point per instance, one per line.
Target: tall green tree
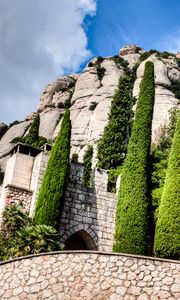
(167, 233)
(113, 144)
(132, 207)
(52, 188)
(33, 134)
(87, 172)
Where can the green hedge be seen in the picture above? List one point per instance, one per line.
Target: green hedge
(132, 207)
(51, 192)
(87, 172)
(167, 233)
(113, 144)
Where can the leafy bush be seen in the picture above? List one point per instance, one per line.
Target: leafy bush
(99, 59)
(32, 137)
(13, 123)
(87, 161)
(33, 240)
(112, 178)
(146, 54)
(165, 54)
(52, 188)
(132, 207)
(20, 237)
(1, 176)
(100, 72)
(167, 233)
(113, 144)
(178, 62)
(175, 87)
(74, 158)
(90, 64)
(14, 217)
(93, 105)
(121, 62)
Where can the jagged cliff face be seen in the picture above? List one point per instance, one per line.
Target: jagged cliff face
(90, 94)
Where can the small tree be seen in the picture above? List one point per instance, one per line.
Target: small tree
(132, 207)
(167, 233)
(50, 196)
(113, 144)
(20, 237)
(33, 134)
(87, 160)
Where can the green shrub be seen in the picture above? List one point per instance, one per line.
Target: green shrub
(132, 208)
(33, 134)
(175, 87)
(99, 59)
(112, 178)
(93, 105)
(1, 176)
(74, 158)
(53, 184)
(178, 62)
(13, 123)
(167, 233)
(146, 54)
(165, 54)
(100, 72)
(87, 172)
(20, 237)
(121, 62)
(90, 64)
(113, 144)
(33, 240)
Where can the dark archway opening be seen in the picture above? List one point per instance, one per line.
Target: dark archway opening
(80, 240)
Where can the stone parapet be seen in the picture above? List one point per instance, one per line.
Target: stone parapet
(85, 275)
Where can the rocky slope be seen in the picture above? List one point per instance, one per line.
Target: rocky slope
(90, 95)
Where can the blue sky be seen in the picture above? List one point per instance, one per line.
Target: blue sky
(41, 40)
(148, 23)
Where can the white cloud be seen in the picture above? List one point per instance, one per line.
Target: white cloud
(39, 41)
(170, 42)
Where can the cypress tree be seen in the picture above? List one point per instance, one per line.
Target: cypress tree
(113, 144)
(132, 207)
(167, 233)
(52, 188)
(33, 134)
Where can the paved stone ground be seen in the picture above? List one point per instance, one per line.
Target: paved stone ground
(87, 275)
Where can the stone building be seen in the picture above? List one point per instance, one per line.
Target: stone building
(88, 214)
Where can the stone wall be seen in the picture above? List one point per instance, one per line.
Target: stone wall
(39, 167)
(91, 212)
(14, 194)
(89, 276)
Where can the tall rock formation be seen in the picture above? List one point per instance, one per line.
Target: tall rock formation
(90, 95)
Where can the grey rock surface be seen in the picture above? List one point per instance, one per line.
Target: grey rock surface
(3, 128)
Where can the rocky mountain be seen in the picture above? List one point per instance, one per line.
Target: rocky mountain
(89, 97)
